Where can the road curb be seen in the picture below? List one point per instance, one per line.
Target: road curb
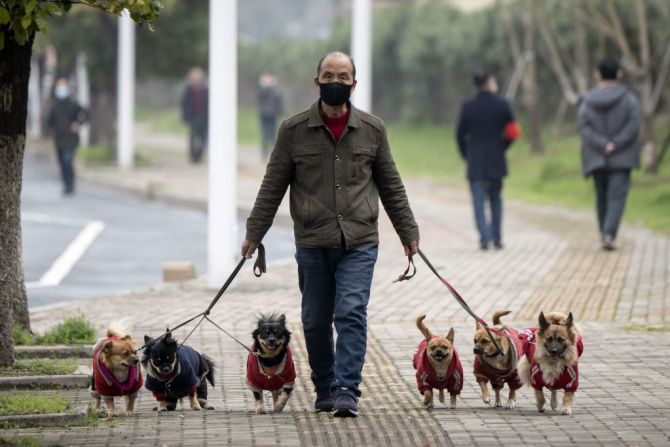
(55, 351)
(44, 420)
(45, 382)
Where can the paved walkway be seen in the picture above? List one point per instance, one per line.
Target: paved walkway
(551, 261)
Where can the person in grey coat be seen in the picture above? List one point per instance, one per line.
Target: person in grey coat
(609, 123)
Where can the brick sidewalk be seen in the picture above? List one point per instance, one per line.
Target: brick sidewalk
(551, 261)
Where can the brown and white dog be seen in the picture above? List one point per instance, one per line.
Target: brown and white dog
(551, 360)
(494, 366)
(116, 370)
(437, 366)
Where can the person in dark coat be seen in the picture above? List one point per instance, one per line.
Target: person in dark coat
(65, 119)
(486, 128)
(195, 113)
(270, 108)
(609, 123)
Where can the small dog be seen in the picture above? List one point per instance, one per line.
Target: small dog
(174, 372)
(551, 360)
(491, 365)
(116, 371)
(270, 365)
(437, 366)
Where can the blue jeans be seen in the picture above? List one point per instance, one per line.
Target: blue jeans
(611, 192)
(335, 285)
(66, 164)
(481, 191)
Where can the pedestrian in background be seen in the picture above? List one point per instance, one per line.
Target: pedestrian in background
(486, 128)
(609, 123)
(337, 160)
(64, 121)
(194, 112)
(270, 108)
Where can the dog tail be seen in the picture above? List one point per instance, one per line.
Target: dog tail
(118, 328)
(500, 313)
(423, 328)
(210, 367)
(523, 369)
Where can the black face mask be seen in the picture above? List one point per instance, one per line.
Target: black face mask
(335, 93)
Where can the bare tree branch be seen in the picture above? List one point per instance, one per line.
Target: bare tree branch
(660, 78)
(621, 39)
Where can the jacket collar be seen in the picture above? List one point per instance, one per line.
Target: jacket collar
(316, 120)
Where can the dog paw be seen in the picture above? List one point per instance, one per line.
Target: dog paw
(566, 411)
(498, 404)
(554, 403)
(129, 413)
(207, 406)
(511, 404)
(451, 406)
(487, 400)
(429, 406)
(260, 411)
(540, 408)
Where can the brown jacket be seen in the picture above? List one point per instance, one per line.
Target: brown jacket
(335, 186)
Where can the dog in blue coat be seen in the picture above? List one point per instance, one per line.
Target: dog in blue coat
(174, 372)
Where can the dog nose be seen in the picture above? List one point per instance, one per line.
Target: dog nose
(478, 350)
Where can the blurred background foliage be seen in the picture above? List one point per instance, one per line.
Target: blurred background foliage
(424, 54)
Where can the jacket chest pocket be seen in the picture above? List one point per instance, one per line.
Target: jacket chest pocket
(308, 160)
(362, 158)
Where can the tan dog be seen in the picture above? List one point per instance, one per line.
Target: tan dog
(498, 368)
(551, 360)
(116, 370)
(437, 366)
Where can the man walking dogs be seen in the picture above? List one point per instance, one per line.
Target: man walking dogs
(486, 128)
(338, 164)
(609, 122)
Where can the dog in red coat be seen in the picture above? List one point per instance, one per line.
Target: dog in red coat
(551, 360)
(437, 366)
(116, 370)
(497, 367)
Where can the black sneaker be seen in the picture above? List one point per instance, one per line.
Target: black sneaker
(346, 403)
(608, 243)
(498, 245)
(325, 401)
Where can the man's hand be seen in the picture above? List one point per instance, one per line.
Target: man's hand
(74, 127)
(412, 248)
(248, 249)
(609, 148)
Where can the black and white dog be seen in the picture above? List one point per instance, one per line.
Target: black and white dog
(270, 365)
(174, 372)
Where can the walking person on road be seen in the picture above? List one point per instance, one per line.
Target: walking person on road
(337, 161)
(194, 112)
(486, 129)
(270, 108)
(609, 123)
(64, 121)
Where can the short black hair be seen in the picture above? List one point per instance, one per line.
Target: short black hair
(351, 59)
(609, 69)
(481, 78)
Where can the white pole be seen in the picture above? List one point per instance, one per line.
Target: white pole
(83, 97)
(222, 248)
(34, 101)
(361, 51)
(125, 149)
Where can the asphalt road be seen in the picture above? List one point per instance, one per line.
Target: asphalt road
(102, 241)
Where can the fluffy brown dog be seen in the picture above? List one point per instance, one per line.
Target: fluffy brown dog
(116, 370)
(551, 359)
(437, 366)
(498, 368)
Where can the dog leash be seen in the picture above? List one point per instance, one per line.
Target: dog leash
(457, 296)
(260, 267)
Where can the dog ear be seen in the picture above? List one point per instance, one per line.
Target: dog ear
(126, 337)
(477, 325)
(450, 335)
(544, 324)
(169, 340)
(282, 319)
(147, 339)
(422, 327)
(569, 322)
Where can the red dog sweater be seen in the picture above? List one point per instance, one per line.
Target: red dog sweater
(259, 379)
(569, 378)
(104, 381)
(510, 375)
(425, 375)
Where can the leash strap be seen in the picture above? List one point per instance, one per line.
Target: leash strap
(230, 335)
(405, 276)
(260, 267)
(461, 301)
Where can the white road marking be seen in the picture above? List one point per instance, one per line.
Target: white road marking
(74, 251)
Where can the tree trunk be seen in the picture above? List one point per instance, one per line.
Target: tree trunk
(529, 83)
(14, 74)
(649, 155)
